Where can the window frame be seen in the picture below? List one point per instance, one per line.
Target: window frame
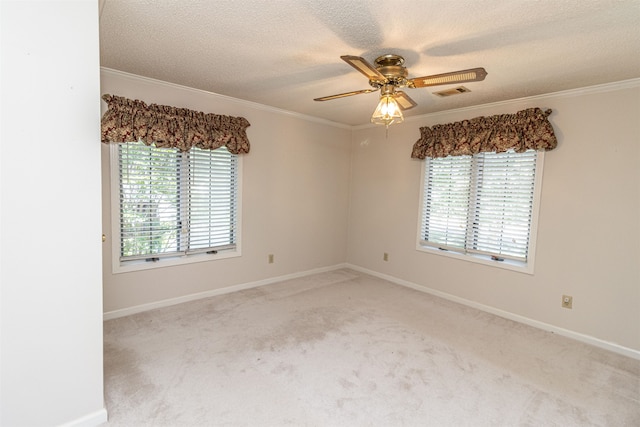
(138, 265)
(508, 264)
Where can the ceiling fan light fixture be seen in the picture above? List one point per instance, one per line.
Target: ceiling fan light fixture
(388, 75)
(387, 112)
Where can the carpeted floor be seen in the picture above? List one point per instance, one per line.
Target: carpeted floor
(346, 349)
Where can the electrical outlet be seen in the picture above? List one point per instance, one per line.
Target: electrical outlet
(385, 257)
(270, 258)
(567, 301)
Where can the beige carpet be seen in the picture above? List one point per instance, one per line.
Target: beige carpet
(347, 349)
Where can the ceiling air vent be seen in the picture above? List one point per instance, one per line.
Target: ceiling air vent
(455, 91)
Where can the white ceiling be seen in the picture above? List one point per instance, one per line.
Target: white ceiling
(285, 53)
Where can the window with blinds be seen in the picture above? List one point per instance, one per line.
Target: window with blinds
(174, 203)
(481, 204)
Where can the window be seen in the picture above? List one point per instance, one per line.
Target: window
(172, 204)
(483, 206)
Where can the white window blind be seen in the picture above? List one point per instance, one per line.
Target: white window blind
(446, 202)
(174, 203)
(480, 204)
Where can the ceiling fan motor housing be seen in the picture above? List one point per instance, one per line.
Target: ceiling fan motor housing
(390, 66)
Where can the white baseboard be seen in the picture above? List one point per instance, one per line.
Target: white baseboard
(587, 339)
(214, 292)
(90, 420)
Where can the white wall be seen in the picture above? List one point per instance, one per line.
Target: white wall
(50, 259)
(294, 199)
(315, 200)
(588, 242)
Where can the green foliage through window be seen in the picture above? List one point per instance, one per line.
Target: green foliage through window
(174, 203)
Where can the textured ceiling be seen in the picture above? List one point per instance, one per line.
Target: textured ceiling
(285, 53)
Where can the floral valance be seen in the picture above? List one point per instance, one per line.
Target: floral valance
(127, 120)
(524, 130)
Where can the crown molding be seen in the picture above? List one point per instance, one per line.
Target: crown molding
(588, 90)
(606, 87)
(248, 104)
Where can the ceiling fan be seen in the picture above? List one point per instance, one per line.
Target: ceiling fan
(388, 75)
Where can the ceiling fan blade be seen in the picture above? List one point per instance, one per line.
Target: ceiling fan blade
(404, 101)
(342, 95)
(462, 76)
(364, 67)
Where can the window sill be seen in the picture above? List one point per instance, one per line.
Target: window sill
(140, 265)
(507, 264)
